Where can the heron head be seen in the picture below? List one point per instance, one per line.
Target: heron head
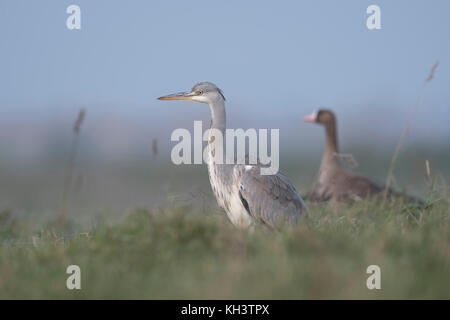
(321, 116)
(205, 92)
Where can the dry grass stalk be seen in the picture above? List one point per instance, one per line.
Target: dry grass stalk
(427, 169)
(155, 147)
(433, 70)
(407, 128)
(71, 163)
(348, 157)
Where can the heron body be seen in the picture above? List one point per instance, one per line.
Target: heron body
(248, 197)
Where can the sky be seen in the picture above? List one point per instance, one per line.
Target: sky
(275, 61)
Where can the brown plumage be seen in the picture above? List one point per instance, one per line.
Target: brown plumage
(334, 182)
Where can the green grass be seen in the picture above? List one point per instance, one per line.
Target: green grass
(181, 253)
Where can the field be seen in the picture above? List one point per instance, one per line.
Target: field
(86, 173)
(186, 253)
(147, 230)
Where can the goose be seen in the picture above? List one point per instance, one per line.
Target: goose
(334, 182)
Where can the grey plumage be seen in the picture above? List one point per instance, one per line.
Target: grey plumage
(271, 199)
(248, 197)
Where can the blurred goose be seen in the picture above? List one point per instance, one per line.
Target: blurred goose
(334, 182)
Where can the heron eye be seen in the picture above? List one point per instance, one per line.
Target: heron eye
(199, 92)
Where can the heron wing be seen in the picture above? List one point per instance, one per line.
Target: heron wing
(269, 199)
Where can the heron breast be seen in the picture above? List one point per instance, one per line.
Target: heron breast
(227, 196)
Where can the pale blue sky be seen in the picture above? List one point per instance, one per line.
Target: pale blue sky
(275, 60)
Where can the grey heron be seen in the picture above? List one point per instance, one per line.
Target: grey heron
(248, 197)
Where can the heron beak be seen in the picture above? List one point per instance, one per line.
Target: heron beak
(311, 118)
(178, 96)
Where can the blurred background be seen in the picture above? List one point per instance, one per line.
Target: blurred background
(275, 61)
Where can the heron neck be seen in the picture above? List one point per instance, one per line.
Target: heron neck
(218, 116)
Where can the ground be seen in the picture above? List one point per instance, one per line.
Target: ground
(186, 253)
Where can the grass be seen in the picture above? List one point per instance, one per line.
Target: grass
(184, 253)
